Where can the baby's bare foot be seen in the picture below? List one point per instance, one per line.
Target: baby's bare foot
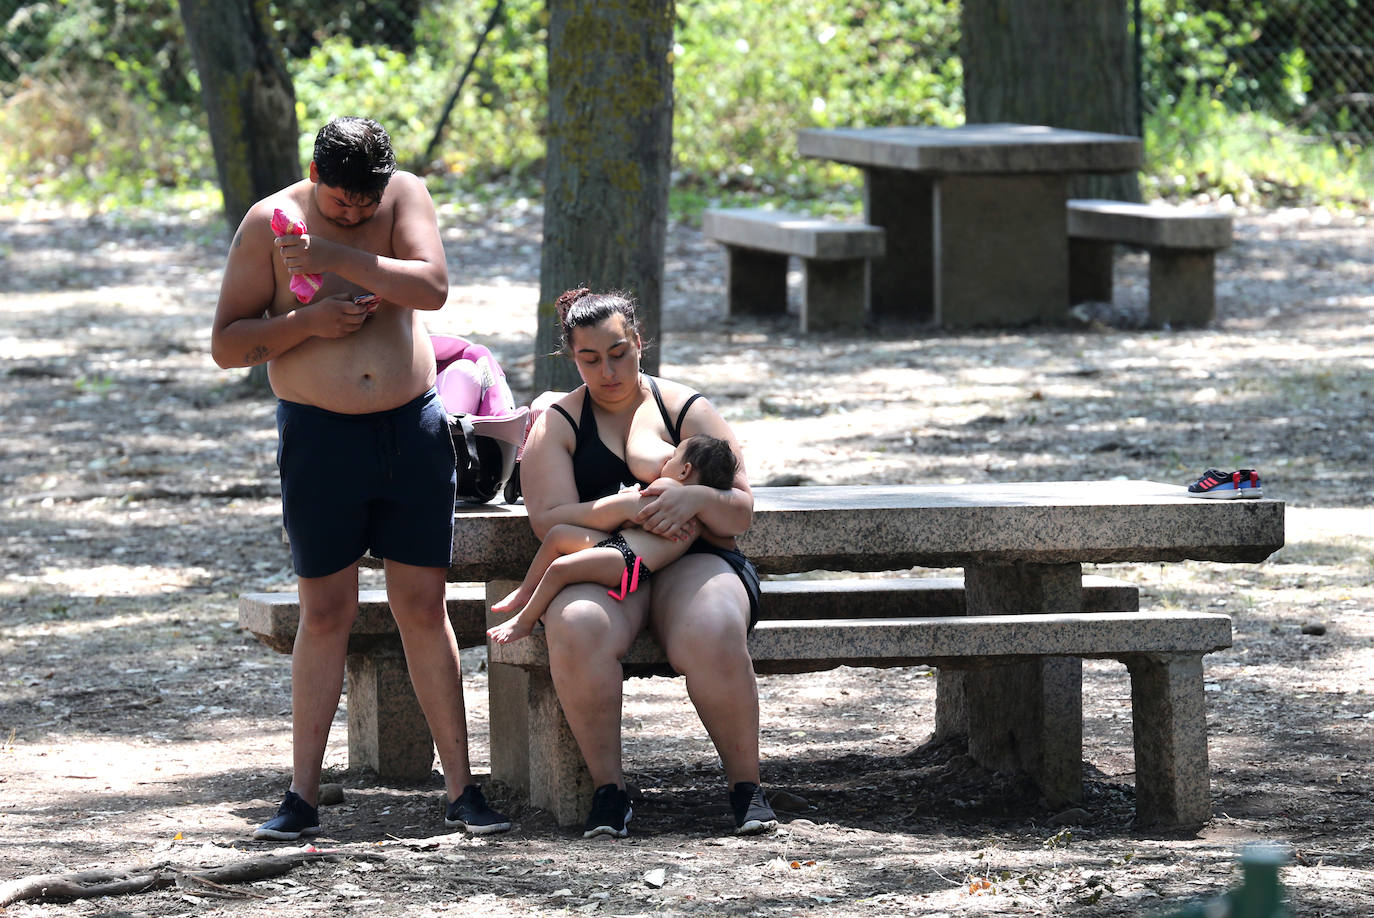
(506, 632)
(514, 600)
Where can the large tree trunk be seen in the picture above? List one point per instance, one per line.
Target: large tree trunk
(249, 99)
(607, 172)
(1061, 63)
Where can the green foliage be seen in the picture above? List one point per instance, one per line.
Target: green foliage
(1201, 148)
(107, 107)
(748, 75)
(1187, 43)
(99, 102)
(495, 128)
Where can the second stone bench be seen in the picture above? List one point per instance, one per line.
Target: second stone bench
(1182, 243)
(834, 259)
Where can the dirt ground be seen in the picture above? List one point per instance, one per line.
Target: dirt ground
(138, 498)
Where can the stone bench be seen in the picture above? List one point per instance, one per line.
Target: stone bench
(387, 731)
(834, 259)
(1162, 651)
(1182, 246)
(386, 728)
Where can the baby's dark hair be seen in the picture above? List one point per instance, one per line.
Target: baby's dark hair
(713, 460)
(580, 308)
(355, 155)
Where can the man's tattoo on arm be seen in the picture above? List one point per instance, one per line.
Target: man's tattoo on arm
(238, 239)
(257, 355)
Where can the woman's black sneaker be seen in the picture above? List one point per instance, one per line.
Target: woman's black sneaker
(294, 818)
(752, 812)
(610, 812)
(471, 812)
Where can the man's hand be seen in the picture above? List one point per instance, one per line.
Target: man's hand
(336, 316)
(305, 254)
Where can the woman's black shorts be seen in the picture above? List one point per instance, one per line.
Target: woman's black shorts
(743, 568)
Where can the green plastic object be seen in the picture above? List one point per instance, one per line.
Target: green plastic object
(1260, 894)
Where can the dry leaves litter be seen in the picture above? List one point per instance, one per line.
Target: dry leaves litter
(138, 497)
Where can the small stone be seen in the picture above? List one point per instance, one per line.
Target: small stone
(331, 794)
(788, 480)
(1316, 628)
(656, 877)
(1075, 816)
(787, 802)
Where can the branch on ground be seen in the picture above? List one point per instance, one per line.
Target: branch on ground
(90, 884)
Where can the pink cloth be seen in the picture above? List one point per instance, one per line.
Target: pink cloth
(304, 286)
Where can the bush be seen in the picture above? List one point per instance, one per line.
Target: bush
(749, 75)
(99, 98)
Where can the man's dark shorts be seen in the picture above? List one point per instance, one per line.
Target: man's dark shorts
(353, 483)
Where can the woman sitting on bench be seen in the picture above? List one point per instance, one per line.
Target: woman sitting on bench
(616, 430)
(625, 558)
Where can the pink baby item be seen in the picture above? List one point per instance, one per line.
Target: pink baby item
(303, 285)
(488, 428)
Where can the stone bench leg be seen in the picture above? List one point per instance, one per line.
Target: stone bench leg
(1090, 271)
(508, 710)
(1169, 722)
(755, 282)
(835, 296)
(387, 731)
(533, 750)
(559, 780)
(1022, 716)
(1182, 287)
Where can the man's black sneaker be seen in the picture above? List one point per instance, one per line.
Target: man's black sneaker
(471, 812)
(610, 811)
(294, 818)
(752, 812)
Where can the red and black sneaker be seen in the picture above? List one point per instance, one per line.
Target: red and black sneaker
(1214, 483)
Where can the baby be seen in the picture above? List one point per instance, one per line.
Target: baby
(575, 554)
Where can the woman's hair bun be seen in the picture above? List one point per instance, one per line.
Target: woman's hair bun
(567, 298)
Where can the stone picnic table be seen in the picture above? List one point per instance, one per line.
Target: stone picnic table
(1021, 547)
(975, 216)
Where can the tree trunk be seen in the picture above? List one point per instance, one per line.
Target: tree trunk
(607, 173)
(1061, 63)
(249, 99)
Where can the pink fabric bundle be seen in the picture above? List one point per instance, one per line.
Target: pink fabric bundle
(471, 382)
(303, 285)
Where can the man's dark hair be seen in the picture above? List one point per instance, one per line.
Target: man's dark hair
(713, 460)
(355, 155)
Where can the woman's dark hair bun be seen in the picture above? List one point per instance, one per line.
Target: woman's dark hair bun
(567, 298)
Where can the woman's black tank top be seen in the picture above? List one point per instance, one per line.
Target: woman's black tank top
(598, 471)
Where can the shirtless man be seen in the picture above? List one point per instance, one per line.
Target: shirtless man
(364, 452)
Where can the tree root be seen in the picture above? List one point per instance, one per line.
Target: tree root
(89, 884)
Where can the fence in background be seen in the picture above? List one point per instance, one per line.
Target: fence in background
(1303, 66)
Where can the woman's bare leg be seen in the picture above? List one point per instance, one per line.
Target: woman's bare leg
(700, 615)
(587, 634)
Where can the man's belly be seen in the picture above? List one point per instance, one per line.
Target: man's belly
(383, 365)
